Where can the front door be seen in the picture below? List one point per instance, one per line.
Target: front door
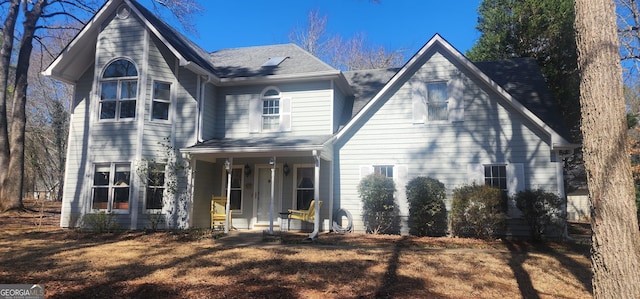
(264, 195)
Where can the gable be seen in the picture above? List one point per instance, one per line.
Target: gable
(438, 44)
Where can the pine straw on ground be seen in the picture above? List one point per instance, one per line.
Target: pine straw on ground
(72, 264)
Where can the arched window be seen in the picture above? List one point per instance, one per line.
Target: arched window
(119, 90)
(271, 110)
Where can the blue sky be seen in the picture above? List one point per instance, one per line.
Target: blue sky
(395, 24)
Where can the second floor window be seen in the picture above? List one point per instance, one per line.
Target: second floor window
(119, 91)
(161, 101)
(437, 101)
(271, 110)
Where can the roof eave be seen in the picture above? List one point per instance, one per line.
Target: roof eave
(324, 75)
(67, 53)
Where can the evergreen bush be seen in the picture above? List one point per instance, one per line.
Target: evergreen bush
(541, 210)
(427, 211)
(477, 211)
(379, 210)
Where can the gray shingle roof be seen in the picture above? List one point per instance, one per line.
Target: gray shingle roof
(366, 84)
(271, 143)
(181, 43)
(522, 78)
(247, 62)
(239, 62)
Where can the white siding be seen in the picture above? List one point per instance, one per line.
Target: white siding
(310, 109)
(490, 133)
(73, 194)
(93, 141)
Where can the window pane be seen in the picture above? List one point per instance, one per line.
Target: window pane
(437, 105)
(128, 90)
(107, 110)
(123, 175)
(304, 198)
(109, 91)
(270, 123)
(161, 91)
(305, 178)
(154, 198)
(437, 92)
(100, 198)
(235, 202)
(160, 110)
(120, 68)
(156, 179)
(121, 198)
(437, 111)
(271, 93)
(236, 178)
(305, 187)
(101, 176)
(128, 109)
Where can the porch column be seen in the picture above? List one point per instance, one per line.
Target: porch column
(273, 184)
(316, 196)
(228, 165)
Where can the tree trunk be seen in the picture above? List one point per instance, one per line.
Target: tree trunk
(12, 184)
(5, 63)
(616, 241)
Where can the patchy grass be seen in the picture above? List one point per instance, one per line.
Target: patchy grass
(176, 265)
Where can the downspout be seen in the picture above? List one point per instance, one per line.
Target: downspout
(316, 196)
(273, 181)
(561, 189)
(228, 165)
(200, 96)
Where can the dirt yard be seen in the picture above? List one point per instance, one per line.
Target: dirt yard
(193, 264)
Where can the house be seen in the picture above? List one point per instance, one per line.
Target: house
(159, 126)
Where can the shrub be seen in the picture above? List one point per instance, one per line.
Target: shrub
(379, 209)
(100, 222)
(155, 220)
(427, 211)
(477, 211)
(540, 209)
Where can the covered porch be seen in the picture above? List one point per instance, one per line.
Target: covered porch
(262, 179)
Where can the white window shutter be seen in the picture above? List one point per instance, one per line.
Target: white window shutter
(419, 101)
(515, 178)
(365, 170)
(455, 90)
(515, 184)
(255, 115)
(475, 174)
(285, 114)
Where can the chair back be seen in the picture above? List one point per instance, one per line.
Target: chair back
(311, 212)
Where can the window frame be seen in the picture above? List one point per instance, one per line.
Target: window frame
(296, 202)
(500, 177)
(240, 169)
(111, 186)
(155, 99)
(384, 170)
(275, 117)
(118, 100)
(444, 103)
(155, 168)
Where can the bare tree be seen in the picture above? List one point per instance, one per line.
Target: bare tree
(353, 53)
(36, 15)
(628, 17)
(615, 243)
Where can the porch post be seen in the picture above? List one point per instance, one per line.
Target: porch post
(316, 196)
(228, 165)
(273, 183)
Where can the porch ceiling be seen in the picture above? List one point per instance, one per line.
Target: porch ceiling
(294, 146)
